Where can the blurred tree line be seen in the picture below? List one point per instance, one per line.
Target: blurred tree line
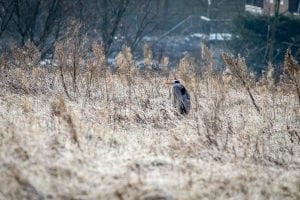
(265, 38)
(43, 22)
(253, 39)
(260, 38)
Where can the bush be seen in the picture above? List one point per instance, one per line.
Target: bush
(253, 37)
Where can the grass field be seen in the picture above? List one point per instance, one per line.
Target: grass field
(76, 130)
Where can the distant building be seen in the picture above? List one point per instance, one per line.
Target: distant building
(268, 6)
(254, 6)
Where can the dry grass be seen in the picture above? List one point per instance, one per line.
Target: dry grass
(117, 136)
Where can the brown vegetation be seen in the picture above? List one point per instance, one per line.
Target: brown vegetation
(78, 130)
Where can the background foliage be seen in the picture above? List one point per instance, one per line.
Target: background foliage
(252, 38)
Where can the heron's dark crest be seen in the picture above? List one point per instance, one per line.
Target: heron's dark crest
(176, 80)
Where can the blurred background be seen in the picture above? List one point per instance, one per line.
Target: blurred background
(259, 30)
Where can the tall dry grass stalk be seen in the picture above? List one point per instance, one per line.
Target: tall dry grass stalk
(148, 57)
(292, 69)
(60, 109)
(211, 78)
(164, 63)
(207, 58)
(126, 67)
(186, 68)
(100, 68)
(101, 59)
(238, 68)
(267, 78)
(125, 62)
(61, 58)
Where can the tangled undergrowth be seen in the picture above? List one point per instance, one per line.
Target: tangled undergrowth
(80, 129)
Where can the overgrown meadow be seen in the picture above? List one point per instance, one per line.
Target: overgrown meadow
(77, 128)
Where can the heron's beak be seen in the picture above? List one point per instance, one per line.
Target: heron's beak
(169, 82)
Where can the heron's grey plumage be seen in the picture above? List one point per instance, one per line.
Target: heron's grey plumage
(180, 97)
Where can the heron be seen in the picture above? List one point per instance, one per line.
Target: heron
(180, 97)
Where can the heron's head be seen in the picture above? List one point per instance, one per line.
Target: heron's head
(171, 82)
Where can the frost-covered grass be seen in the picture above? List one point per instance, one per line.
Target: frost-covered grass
(118, 137)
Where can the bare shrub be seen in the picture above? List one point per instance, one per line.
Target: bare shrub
(125, 62)
(70, 54)
(34, 82)
(27, 57)
(126, 67)
(21, 73)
